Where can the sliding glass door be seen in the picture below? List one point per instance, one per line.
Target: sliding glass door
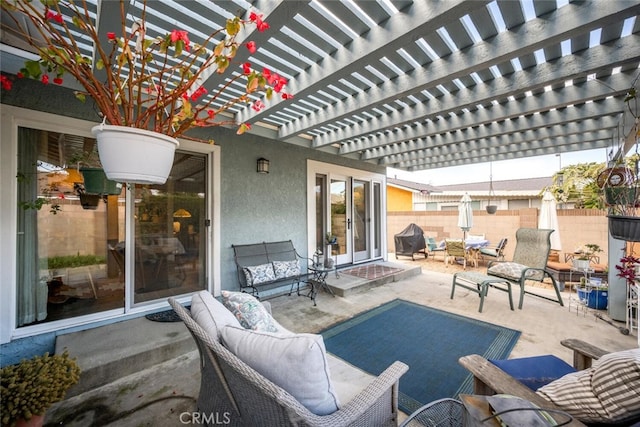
(72, 256)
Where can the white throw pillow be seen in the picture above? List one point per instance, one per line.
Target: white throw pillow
(296, 362)
(210, 314)
(249, 312)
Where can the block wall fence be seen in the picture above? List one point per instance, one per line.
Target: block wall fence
(577, 226)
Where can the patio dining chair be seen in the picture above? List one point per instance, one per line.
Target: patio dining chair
(455, 249)
(496, 252)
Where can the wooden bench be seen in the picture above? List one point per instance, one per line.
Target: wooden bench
(267, 264)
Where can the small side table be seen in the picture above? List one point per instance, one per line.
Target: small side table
(318, 280)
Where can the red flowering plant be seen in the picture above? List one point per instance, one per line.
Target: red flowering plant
(136, 80)
(627, 269)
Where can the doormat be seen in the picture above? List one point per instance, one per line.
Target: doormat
(430, 341)
(372, 271)
(164, 316)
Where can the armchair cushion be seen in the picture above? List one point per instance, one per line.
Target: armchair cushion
(536, 371)
(295, 362)
(607, 392)
(211, 314)
(257, 274)
(249, 312)
(513, 271)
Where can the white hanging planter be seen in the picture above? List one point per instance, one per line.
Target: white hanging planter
(135, 155)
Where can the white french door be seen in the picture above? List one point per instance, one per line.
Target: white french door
(348, 204)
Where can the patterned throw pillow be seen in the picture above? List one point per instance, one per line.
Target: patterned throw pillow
(258, 274)
(605, 393)
(286, 269)
(249, 312)
(513, 271)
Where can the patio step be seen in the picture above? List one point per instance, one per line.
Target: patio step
(108, 353)
(346, 284)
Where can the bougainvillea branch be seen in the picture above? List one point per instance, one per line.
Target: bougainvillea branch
(136, 80)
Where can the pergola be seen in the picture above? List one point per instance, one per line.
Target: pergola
(425, 84)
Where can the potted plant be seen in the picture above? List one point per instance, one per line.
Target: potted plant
(94, 180)
(30, 387)
(330, 240)
(147, 88)
(583, 255)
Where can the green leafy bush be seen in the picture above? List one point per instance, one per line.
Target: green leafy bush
(70, 261)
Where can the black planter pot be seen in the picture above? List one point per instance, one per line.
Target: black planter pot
(90, 201)
(625, 227)
(491, 209)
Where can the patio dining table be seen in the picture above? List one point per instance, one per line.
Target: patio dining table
(473, 246)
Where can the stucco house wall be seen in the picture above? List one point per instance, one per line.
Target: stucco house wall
(253, 207)
(398, 199)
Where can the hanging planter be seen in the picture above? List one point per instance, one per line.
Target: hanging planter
(135, 155)
(624, 227)
(491, 209)
(96, 182)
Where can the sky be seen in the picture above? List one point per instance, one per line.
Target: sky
(528, 167)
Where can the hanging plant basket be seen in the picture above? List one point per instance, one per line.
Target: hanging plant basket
(134, 155)
(491, 209)
(96, 182)
(624, 227)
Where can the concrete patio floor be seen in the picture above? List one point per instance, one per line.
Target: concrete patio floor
(159, 395)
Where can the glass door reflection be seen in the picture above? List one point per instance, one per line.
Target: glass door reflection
(170, 255)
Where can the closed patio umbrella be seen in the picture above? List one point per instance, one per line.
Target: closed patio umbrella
(549, 219)
(465, 214)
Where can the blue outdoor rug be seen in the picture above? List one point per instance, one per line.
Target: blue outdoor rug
(430, 341)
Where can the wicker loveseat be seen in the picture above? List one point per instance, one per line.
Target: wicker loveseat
(234, 391)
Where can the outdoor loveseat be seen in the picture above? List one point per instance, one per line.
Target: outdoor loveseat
(260, 265)
(245, 371)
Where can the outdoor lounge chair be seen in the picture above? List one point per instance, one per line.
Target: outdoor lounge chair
(231, 388)
(529, 262)
(521, 377)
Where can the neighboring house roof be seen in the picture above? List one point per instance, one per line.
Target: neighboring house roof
(507, 188)
(529, 184)
(412, 186)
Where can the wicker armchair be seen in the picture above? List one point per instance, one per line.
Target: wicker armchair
(232, 389)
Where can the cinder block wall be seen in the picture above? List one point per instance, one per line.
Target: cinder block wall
(577, 226)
